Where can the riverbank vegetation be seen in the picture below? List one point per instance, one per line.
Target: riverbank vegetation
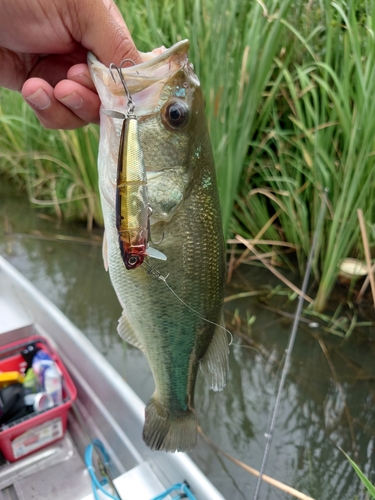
(289, 87)
(56, 167)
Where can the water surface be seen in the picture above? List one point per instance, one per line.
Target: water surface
(328, 400)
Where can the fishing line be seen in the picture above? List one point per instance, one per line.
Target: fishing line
(291, 342)
(155, 272)
(257, 351)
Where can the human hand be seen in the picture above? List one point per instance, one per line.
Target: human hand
(43, 49)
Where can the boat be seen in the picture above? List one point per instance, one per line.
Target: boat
(106, 411)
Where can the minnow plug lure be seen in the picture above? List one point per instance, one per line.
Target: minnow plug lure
(132, 208)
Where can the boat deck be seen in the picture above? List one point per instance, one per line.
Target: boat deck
(59, 472)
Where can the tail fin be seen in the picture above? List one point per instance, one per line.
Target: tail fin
(169, 431)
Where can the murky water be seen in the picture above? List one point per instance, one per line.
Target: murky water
(328, 401)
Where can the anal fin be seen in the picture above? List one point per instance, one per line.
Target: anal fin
(214, 363)
(126, 331)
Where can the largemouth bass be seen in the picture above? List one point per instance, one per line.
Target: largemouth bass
(172, 309)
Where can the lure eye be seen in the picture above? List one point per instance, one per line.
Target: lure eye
(175, 115)
(133, 261)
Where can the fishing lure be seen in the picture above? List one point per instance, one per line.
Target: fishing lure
(132, 209)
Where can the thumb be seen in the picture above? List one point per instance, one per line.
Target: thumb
(99, 27)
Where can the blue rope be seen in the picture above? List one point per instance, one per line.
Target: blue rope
(182, 488)
(94, 480)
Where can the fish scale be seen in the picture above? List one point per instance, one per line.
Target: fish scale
(173, 308)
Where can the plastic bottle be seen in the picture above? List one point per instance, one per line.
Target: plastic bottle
(38, 402)
(41, 361)
(52, 384)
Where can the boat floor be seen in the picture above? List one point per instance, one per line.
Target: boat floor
(59, 472)
(56, 471)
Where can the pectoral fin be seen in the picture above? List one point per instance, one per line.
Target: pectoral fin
(214, 363)
(126, 331)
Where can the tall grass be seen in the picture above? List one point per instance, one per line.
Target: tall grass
(58, 168)
(289, 87)
(320, 133)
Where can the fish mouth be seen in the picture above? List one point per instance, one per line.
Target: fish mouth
(143, 80)
(181, 47)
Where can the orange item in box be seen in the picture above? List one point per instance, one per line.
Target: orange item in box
(12, 377)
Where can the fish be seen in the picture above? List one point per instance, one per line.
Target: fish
(173, 308)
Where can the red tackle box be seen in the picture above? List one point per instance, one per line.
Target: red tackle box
(37, 430)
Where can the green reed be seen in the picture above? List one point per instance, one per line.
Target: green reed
(58, 168)
(318, 134)
(364, 480)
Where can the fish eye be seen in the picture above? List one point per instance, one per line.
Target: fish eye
(175, 114)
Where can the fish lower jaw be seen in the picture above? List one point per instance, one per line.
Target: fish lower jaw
(167, 431)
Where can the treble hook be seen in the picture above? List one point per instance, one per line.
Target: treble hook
(112, 66)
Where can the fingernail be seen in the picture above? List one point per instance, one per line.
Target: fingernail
(73, 101)
(39, 99)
